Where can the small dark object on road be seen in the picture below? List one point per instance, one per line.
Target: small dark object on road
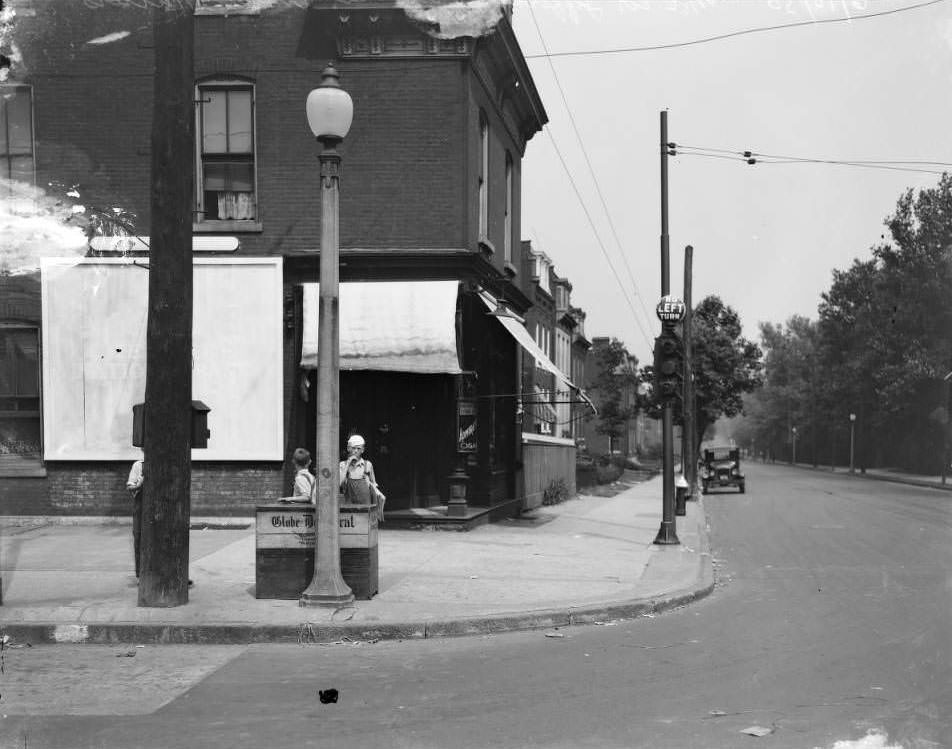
(327, 695)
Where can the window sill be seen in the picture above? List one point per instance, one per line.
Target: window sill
(240, 8)
(247, 227)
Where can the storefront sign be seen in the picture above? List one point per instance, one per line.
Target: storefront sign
(292, 529)
(466, 426)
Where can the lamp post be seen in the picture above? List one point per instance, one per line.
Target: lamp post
(329, 114)
(852, 434)
(794, 430)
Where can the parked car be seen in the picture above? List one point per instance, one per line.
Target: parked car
(720, 467)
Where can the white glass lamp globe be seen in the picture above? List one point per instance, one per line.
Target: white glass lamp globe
(330, 110)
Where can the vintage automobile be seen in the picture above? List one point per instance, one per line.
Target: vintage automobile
(720, 467)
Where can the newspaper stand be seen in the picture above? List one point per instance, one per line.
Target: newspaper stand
(284, 549)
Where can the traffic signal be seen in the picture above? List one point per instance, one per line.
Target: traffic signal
(668, 364)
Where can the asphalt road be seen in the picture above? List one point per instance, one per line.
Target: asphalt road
(831, 618)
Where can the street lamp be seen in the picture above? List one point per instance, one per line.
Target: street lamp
(329, 114)
(852, 433)
(794, 430)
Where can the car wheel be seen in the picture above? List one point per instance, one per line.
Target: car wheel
(741, 487)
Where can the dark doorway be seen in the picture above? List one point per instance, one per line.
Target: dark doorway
(407, 421)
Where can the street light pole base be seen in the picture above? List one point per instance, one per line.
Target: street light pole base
(666, 534)
(328, 600)
(331, 591)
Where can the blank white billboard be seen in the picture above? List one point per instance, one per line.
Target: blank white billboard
(94, 356)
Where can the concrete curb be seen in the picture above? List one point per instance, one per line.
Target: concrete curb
(305, 633)
(902, 480)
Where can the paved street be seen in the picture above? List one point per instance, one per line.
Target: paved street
(831, 618)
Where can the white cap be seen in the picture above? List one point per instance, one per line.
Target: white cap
(355, 441)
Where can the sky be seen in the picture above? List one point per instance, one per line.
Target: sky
(826, 84)
(767, 236)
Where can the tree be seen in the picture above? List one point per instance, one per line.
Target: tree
(726, 365)
(614, 386)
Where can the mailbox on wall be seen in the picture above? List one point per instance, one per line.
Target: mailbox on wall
(200, 430)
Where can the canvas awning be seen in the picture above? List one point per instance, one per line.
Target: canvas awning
(394, 326)
(524, 339)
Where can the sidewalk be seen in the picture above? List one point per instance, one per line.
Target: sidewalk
(586, 560)
(880, 474)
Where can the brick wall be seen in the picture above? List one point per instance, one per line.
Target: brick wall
(404, 168)
(93, 488)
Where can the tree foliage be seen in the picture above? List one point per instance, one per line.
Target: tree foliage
(879, 350)
(726, 365)
(615, 378)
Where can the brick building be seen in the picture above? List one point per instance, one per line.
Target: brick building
(429, 237)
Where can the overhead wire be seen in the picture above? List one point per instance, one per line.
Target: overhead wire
(741, 32)
(591, 171)
(756, 157)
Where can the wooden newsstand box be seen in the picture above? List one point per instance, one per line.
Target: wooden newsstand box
(284, 549)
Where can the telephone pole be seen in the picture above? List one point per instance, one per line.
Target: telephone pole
(166, 495)
(667, 533)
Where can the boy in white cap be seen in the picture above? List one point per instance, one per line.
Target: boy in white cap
(357, 480)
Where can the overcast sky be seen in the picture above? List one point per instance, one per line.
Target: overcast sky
(766, 237)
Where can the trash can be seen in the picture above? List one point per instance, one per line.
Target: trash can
(680, 495)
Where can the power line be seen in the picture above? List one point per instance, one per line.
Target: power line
(755, 157)
(598, 239)
(591, 170)
(742, 32)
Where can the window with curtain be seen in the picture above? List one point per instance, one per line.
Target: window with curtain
(483, 184)
(16, 135)
(225, 135)
(19, 395)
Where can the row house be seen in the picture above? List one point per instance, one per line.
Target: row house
(434, 287)
(554, 407)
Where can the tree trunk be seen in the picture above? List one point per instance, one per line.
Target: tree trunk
(168, 392)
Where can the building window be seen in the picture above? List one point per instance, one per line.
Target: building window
(16, 135)
(225, 140)
(542, 272)
(19, 396)
(483, 177)
(507, 223)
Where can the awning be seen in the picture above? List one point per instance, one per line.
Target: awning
(403, 326)
(524, 339)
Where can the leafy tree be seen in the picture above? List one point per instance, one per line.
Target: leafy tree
(726, 365)
(613, 386)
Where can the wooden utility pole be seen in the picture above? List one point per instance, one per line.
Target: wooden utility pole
(166, 498)
(667, 533)
(688, 428)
